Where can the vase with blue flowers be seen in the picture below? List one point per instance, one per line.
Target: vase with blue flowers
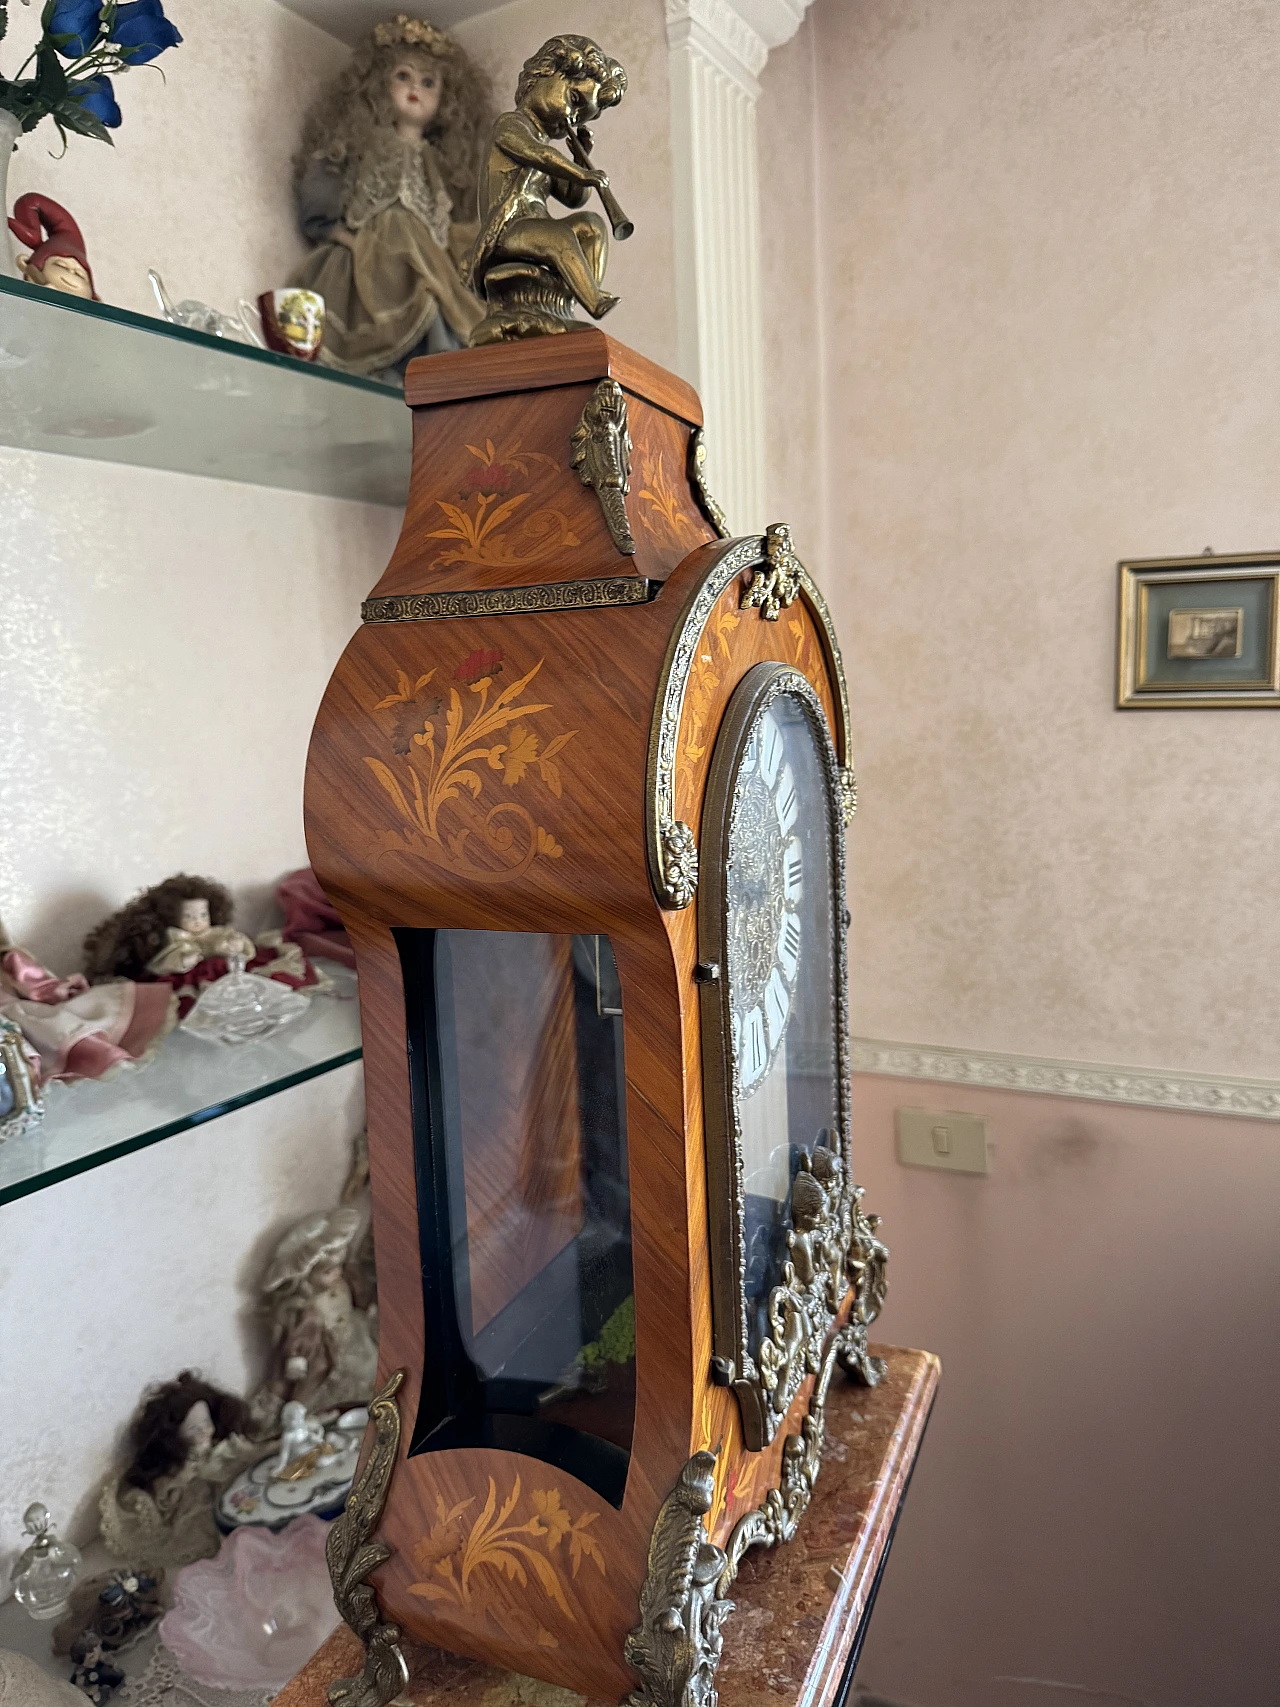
(67, 75)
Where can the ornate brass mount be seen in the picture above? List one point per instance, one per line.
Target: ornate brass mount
(600, 450)
(676, 1646)
(510, 601)
(848, 793)
(674, 876)
(698, 480)
(779, 578)
(353, 1558)
(679, 861)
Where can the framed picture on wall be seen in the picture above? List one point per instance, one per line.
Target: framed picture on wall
(1199, 633)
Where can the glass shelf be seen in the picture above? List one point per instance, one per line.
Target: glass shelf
(84, 379)
(190, 1081)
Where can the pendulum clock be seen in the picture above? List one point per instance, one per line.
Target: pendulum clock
(579, 789)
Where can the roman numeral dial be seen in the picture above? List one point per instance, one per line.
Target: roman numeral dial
(766, 895)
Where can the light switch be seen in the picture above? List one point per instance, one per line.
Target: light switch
(928, 1138)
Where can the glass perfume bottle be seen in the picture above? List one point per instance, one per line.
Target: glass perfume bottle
(45, 1575)
(240, 1006)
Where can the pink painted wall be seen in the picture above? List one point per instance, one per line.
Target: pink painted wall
(1033, 253)
(1098, 1499)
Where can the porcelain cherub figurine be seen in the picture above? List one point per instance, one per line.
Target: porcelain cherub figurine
(531, 265)
(302, 1443)
(386, 188)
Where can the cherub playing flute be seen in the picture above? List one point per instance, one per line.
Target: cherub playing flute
(530, 264)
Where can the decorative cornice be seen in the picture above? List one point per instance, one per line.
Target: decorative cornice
(721, 32)
(1142, 1087)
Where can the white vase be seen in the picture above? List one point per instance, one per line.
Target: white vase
(10, 131)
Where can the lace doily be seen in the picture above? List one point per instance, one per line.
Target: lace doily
(163, 1683)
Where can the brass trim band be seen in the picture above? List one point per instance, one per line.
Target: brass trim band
(511, 601)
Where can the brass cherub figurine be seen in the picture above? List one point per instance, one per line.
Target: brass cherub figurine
(531, 266)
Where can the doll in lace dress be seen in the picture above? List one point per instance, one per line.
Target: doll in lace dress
(386, 188)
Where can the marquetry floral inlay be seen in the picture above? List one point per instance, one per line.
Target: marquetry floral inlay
(456, 1555)
(448, 751)
(490, 525)
(661, 511)
(714, 654)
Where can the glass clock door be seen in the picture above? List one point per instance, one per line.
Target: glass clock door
(524, 1209)
(769, 923)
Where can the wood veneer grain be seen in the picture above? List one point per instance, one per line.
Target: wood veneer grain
(514, 847)
(536, 363)
(798, 1608)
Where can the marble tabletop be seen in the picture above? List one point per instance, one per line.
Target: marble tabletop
(798, 1608)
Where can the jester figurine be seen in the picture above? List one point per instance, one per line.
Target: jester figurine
(530, 265)
(57, 259)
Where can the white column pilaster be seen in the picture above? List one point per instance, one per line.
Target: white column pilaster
(718, 48)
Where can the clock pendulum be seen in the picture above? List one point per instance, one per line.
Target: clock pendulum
(579, 789)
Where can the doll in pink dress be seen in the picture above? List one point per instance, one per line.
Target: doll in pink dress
(78, 1031)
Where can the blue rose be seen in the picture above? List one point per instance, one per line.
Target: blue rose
(142, 31)
(96, 96)
(78, 20)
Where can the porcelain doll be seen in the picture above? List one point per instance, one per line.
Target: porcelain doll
(324, 1351)
(187, 1441)
(386, 188)
(179, 932)
(75, 1031)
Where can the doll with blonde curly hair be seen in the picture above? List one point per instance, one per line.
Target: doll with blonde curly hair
(386, 188)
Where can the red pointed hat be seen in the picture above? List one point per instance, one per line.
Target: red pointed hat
(48, 229)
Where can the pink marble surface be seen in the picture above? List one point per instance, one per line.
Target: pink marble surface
(797, 1607)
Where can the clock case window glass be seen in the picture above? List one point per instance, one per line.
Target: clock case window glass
(771, 919)
(519, 1109)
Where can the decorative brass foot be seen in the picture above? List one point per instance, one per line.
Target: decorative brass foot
(353, 1558)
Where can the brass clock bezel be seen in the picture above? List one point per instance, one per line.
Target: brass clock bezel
(763, 1395)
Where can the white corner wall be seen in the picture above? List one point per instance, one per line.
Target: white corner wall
(1047, 326)
(164, 642)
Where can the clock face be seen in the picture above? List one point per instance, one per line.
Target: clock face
(765, 901)
(780, 966)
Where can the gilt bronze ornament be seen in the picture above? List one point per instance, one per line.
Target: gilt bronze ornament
(776, 583)
(601, 452)
(353, 1557)
(530, 266)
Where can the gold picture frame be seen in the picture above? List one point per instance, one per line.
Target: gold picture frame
(1199, 633)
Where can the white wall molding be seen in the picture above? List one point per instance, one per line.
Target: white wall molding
(717, 30)
(1143, 1087)
(717, 49)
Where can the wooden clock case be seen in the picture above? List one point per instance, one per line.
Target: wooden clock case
(617, 625)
